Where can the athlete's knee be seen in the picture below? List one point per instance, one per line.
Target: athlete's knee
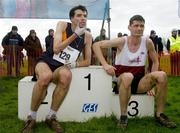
(65, 77)
(44, 79)
(126, 79)
(162, 77)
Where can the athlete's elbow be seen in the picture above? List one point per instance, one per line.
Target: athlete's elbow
(87, 63)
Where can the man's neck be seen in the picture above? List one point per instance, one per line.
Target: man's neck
(134, 40)
(73, 27)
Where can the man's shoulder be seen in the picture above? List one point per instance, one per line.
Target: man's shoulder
(88, 34)
(7, 35)
(47, 37)
(63, 23)
(19, 36)
(27, 38)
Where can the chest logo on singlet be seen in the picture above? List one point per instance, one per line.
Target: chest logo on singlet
(69, 54)
(136, 60)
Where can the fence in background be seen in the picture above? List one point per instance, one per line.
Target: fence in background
(170, 63)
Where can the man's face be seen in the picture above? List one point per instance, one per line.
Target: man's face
(80, 18)
(14, 32)
(153, 35)
(103, 32)
(33, 34)
(174, 33)
(52, 33)
(136, 28)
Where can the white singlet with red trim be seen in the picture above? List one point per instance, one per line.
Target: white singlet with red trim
(127, 58)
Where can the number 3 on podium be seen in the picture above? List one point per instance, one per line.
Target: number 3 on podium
(133, 108)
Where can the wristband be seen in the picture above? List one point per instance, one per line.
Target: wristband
(76, 34)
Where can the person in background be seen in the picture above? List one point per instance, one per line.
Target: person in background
(55, 66)
(49, 39)
(129, 69)
(178, 38)
(33, 47)
(101, 37)
(125, 34)
(13, 45)
(158, 45)
(157, 41)
(119, 34)
(173, 43)
(171, 40)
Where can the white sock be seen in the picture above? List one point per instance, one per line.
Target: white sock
(51, 112)
(33, 114)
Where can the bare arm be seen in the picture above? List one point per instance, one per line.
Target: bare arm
(59, 45)
(152, 55)
(87, 51)
(106, 44)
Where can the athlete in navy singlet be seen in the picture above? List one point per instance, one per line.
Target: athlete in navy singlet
(54, 65)
(77, 44)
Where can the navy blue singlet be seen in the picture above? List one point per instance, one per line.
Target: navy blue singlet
(47, 56)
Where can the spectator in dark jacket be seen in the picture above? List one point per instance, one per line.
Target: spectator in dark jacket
(49, 38)
(34, 50)
(13, 45)
(157, 41)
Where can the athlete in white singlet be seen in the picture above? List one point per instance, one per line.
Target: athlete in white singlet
(130, 66)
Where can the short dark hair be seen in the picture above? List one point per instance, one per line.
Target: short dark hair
(152, 32)
(136, 18)
(80, 7)
(14, 28)
(32, 31)
(50, 30)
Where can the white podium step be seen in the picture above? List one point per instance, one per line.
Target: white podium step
(90, 95)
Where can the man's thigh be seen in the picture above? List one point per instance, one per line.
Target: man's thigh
(146, 83)
(42, 69)
(59, 72)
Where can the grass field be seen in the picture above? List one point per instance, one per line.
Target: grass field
(9, 122)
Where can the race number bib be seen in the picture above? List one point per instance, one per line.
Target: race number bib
(69, 54)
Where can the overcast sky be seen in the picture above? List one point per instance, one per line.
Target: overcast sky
(160, 15)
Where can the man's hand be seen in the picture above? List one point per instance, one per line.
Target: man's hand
(109, 69)
(71, 65)
(79, 31)
(151, 92)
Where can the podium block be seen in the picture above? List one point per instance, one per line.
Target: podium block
(90, 95)
(139, 105)
(87, 96)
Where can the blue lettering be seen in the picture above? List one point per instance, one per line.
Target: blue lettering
(90, 107)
